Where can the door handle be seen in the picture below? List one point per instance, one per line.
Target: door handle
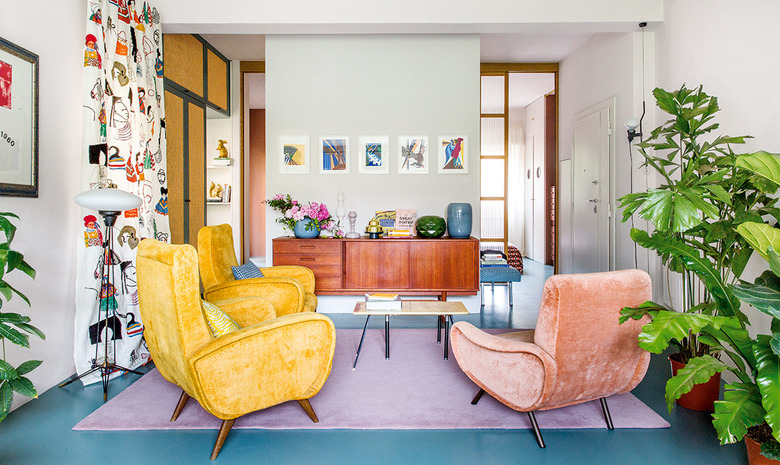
(593, 200)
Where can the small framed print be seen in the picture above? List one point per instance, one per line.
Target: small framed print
(453, 155)
(413, 155)
(18, 121)
(294, 157)
(334, 154)
(374, 154)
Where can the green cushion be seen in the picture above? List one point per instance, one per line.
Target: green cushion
(219, 323)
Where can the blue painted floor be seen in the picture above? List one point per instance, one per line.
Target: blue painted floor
(40, 431)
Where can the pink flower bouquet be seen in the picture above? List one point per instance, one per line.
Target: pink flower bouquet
(292, 211)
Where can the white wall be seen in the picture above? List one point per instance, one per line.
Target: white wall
(729, 48)
(606, 66)
(49, 228)
(373, 85)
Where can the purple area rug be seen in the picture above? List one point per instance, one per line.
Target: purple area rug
(415, 389)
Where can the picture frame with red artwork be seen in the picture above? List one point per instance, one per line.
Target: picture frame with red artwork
(18, 121)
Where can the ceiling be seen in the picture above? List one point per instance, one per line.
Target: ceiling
(494, 48)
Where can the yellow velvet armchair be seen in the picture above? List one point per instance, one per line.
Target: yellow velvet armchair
(290, 288)
(270, 360)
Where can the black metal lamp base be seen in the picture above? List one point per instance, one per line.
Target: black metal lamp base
(105, 368)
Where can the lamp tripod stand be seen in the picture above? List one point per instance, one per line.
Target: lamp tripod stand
(107, 305)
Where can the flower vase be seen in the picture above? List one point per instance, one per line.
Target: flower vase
(459, 220)
(301, 232)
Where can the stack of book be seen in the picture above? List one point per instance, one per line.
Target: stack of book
(404, 221)
(492, 259)
(381, 302)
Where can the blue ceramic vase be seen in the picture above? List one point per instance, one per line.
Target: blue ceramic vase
(301, 232)
(459, 220)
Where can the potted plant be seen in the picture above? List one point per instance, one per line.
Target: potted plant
(13, 326)
(304, 220)
(695, 213)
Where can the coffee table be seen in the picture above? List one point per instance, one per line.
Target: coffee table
(443, 309)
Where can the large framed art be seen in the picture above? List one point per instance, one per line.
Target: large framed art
(18, 121)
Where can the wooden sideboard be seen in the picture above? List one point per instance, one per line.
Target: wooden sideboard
(413, 266)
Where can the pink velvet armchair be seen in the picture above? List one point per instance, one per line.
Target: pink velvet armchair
(577, 353)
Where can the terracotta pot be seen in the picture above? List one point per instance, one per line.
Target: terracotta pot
(703, 396)
(754, 454)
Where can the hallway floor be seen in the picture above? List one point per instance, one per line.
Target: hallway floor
(40, 431)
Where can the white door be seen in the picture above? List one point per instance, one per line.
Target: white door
(590, 238)
(528, 243)
(540, 239)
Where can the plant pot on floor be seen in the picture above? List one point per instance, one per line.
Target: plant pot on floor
(754, 454)
(703, 396)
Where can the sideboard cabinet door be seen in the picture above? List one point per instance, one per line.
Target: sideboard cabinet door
(376, 265)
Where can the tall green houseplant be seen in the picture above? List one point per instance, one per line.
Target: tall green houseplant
(697, 208)
(14, 327)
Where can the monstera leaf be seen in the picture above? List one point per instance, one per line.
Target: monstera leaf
(739, 410)
(760, 236)
(667, 325)
(698, 370)
(762, 163)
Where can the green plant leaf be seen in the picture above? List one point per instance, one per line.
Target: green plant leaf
(32, 330)
(728, 305)
(732, 333)
(761, 297)
(762, 163)
(24, 387)
(768, 381)
(760, 236)
(739, 410)
(637, 313)
(28, 366)
(667, 325)
(6, 398)
(14, 336)
(698, 370)
(7, 371)
(771, 450)
(14, 318)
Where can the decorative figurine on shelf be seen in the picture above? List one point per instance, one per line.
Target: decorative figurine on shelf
(374, 230)
(223, 153)
(340, 210)
(215, 191)
(352, 234)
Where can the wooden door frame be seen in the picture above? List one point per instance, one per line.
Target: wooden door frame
(553, 68)
(254, 67)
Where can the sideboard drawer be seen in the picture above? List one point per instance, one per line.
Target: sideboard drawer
(306, 260)
(308, 246)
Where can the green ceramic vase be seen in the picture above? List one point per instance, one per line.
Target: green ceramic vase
(431, 227)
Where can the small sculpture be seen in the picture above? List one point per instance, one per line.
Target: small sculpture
(215, 191)
(223, 153)
(352, 234)
(373, 229)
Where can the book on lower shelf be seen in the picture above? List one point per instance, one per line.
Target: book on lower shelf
(380, 301)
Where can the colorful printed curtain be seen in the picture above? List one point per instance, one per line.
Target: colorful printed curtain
(123, 146)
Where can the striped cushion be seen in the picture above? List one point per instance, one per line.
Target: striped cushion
(219, 323)
(246, 271)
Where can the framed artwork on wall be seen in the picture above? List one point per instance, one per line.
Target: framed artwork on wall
(453, 155)
(334, 154)
(18, 121)
(413, 155)
(294, 157)
(374, 154)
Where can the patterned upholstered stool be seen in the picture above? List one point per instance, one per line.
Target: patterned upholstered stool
(501, 275)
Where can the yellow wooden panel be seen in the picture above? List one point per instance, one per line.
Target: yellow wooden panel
(174, 133)
(217, 80)
(197, 171)
(183, 58)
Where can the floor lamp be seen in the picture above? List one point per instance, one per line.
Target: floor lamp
(109, 203)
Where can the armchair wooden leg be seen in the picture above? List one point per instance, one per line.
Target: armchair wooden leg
(537, 433)
(607, 416)
(477, 397)
(309, 410)
(224, 430)
(180, 406)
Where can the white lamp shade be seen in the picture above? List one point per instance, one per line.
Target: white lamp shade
(108, 200)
